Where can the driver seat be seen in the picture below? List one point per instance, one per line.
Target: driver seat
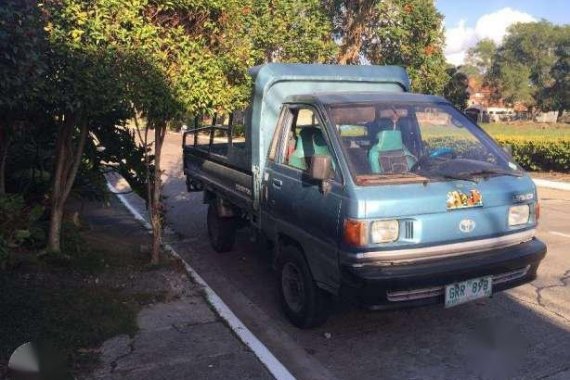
(310, 142)
(389, 155)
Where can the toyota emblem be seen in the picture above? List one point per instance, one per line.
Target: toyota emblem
(467, 225)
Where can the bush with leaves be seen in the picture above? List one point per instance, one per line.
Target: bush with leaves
(540, 154)
(18, 225)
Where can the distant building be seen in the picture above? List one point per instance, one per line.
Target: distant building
(481, 95)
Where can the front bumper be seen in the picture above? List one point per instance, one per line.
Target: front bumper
(422, 282)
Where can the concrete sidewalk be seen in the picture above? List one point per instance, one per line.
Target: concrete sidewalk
(180, 339)
(557, 185)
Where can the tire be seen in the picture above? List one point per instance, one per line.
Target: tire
(304, 304)
(221, 231)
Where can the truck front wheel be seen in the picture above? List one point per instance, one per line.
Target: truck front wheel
(221, 231)
(304, 304)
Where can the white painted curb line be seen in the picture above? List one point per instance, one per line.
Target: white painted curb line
(274, 366)
(552, 184)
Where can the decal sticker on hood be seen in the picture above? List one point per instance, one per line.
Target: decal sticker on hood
(458, 199)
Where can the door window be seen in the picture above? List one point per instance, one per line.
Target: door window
(304, 138)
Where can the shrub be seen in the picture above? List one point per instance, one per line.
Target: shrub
(18, 224)
(540, 153)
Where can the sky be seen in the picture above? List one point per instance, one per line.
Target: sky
(468, 21)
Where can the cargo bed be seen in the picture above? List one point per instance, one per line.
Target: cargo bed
(215, 163)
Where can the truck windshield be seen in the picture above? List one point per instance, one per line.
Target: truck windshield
(409, 139)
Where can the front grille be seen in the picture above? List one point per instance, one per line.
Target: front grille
(409, 229)
(436, 291)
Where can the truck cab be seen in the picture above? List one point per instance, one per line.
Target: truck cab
(370, 192)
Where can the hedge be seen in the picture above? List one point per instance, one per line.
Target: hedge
(540, 153)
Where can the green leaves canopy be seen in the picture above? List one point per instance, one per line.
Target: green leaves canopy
(392, 32)
(526, 67)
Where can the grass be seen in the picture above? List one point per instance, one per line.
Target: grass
(65, 320)
(59, 302)
(528, 129)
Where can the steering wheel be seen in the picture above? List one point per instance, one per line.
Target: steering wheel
(437, 154)
(443, 151)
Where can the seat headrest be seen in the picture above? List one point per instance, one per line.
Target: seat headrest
(318, 138)
(390, 140)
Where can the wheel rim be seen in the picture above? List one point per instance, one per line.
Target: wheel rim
(292, 286)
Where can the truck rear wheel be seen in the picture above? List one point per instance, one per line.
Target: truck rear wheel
(221, 231)
(304, 304)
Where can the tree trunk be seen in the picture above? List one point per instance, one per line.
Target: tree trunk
(67, 161)
(559, 115)
(4, 144)
(155, 204)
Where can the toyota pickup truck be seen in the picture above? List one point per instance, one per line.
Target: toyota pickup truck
(365, 190)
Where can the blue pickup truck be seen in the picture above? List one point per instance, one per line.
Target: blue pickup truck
(365, 190)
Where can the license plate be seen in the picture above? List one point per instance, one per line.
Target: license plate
(465, 291)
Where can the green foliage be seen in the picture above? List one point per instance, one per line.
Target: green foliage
(529, 66)
(18, 224)
(124, 155)
(22, 64)
(540, 154)
(481, 56)
(393, 32)
(557, 96)
(456, 89)
(290, 31)
(515, 84)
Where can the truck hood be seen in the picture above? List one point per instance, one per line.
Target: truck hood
(426, 216)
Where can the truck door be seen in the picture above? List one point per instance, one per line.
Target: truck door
(295, 204)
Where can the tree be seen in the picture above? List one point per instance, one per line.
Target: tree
(392, 32)
(290, 31)
(523, 64)
(481, 56)
(172, 58)
(456, 89)
(515, 85)
(85, 90)
(22, 70)
(557, 96)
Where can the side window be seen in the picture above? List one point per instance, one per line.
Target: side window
(304, 139)
(284, 119)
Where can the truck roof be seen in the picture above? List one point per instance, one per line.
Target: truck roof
(264, 75)
(328, 98)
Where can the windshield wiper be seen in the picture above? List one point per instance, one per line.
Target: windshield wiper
(467, 177)
(490, 171)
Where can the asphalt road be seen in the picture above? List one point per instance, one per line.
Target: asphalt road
(523, 333)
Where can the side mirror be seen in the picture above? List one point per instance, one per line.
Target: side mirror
(508, 148)
(321, 167)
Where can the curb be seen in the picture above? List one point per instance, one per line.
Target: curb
(273, 365)
(552, 184)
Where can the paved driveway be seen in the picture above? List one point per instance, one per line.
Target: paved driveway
(522, 333)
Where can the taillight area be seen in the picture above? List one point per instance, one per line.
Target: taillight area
(355, 232)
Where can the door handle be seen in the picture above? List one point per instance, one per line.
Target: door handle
(277, 183)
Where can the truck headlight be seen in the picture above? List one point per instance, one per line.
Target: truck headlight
(518, 215)
(384, 231)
